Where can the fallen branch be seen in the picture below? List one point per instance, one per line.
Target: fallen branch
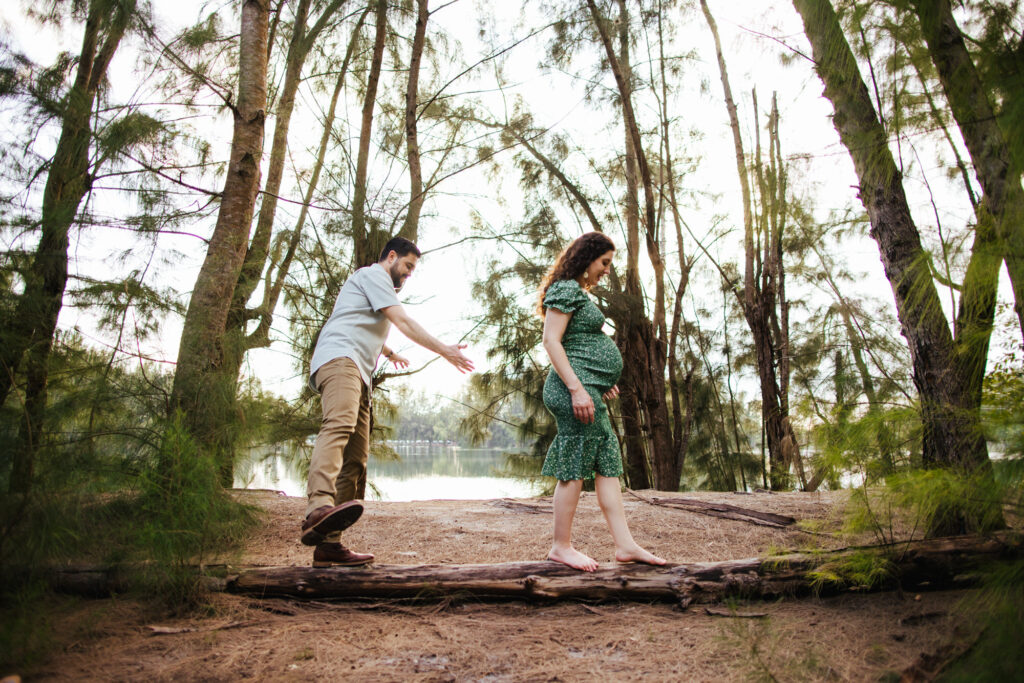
(719, 612)
(723, 510)
(517, 506)
(156, 630)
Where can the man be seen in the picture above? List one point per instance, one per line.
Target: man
(343, 363)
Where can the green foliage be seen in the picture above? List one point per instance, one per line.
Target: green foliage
(114, 485)
(1000, 56)
(931, 496)
(511, 329)
(1003, 406)
(997, 654)
(124, 134)
(860, 570)
(208, 32)
(184, 517)
(25, 631)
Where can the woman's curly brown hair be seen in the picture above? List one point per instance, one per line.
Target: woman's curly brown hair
(573, 260)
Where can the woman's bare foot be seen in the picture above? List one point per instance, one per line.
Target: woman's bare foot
(638, 554)
(573, 558)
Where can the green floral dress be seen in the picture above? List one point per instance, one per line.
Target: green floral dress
(579, 450)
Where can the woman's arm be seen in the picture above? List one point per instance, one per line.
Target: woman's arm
(555, 323)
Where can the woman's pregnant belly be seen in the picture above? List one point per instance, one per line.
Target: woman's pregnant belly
(594, 358)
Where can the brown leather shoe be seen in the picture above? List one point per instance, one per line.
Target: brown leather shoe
(327, 519)
(337, 555)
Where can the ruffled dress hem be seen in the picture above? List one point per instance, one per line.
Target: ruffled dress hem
(572, 457)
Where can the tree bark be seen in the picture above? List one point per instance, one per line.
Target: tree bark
(201, 389)
(949, 410)
(410, 228)
(28, 335)
(368, 241)
(969, 102)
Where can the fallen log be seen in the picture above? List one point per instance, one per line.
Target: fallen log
(914, 566)
(920, 565)
(723, 510)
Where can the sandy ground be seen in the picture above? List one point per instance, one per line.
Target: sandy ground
(849, 638)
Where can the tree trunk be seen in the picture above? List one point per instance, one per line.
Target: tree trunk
(637, 335)
(201, 390)
(637, 467)
(949, 410)
(237, 340)
(412, 219)
(758, 301)
(681, 428)
(971, 107)
(29, 334)
(368, 241)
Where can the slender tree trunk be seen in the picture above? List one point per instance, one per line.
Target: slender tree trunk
(201, 390)
(776, 267)
(416, 196)
(883, 437)
(29, 334)
(969, 102)
(639, 460)
(299, 47)
(237, 341)
(952, 436)
(368, 241)
(681, 429)
(259, 245)
(639, 341)
(758, 303)
(727, 348)
(260, 337)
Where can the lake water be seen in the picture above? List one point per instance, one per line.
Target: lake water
(425, 472)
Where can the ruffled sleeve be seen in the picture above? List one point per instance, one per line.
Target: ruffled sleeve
(565, 296)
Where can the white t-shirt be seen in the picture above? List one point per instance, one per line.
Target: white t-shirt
(357, 328)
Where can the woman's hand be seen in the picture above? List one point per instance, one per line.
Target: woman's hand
(582, 405)
(611, 393)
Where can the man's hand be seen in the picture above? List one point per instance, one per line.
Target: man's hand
(453, 354)
(414, 331)
(400, 362)
(582, 405)
(611, 393)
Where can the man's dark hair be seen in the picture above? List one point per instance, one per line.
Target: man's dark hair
(400, 246)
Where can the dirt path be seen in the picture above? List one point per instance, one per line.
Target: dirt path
(855, 637)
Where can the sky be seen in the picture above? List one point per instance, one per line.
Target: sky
(755, 36)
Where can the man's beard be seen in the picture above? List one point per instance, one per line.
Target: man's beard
(396, 279)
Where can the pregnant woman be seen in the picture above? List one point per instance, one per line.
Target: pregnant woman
(585, 367)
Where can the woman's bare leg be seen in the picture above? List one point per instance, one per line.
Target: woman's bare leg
(567, 496)
(609, 497)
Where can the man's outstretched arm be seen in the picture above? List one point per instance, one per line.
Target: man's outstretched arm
(414, 331)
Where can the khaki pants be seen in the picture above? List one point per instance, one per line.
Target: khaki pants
(337, 472)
